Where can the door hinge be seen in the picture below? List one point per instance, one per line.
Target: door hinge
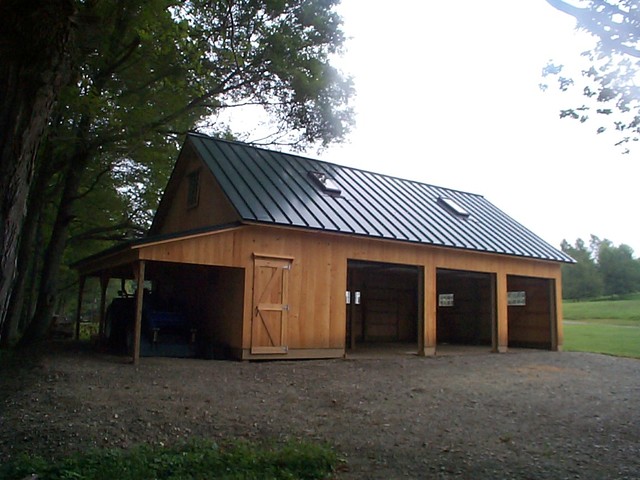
(285, 308)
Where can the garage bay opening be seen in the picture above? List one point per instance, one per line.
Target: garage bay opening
(532, 312)
(466, 308)
(383, 306)
(187, 311)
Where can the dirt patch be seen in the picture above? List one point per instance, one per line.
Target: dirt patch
(528, 414)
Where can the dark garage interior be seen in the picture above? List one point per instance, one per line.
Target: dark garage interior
(382, 303)
(531, 319)
(466, 307)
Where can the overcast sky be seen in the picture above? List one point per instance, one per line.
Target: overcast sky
(447, 94)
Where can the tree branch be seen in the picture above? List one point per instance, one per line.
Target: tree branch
(606, 31)
(100, 233)
(93, 185)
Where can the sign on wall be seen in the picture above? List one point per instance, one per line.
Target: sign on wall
(445, 300)
(516, 299)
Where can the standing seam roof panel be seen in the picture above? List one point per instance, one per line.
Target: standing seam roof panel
(238, 193)
(342, 206)
(433, 207)
(322, 201)
(387, 203)
(425, 214)
(468, 225)
(513, 229)
(368, 211)
(274, 187)
(448, 223)
(277, 188)
(238, 160)
(504, 232)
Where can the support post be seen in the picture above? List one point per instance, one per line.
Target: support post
(79, 309)
(427, 332)
(104, 283)
(502, 311)
(556, 314)
(137, 330)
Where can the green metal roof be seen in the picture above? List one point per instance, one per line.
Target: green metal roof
(278, 188)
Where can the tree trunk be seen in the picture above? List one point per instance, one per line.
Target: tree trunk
(30, 257)
(34, 44)
(26, 276)
(47, 293)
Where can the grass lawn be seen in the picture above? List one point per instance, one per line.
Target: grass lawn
(617, 340)
(201, 460)
(608, 326)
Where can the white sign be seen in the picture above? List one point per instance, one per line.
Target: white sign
(516, 299)
(445, 300)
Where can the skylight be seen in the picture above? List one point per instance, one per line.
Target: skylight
(325, 183)
(454, 206)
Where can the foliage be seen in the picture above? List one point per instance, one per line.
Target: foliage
(146, 73)
(581, 280)
(610, 75)
(601, 268)
(194, 461)
(620, 272)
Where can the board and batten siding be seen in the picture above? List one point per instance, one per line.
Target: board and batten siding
(316, 320)
(211, 208)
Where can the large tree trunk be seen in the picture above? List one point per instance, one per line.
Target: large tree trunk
(47, 292)
(21, 305)
(19, 310)
(34, 46)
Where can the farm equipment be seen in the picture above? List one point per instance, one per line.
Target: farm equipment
(165, 332)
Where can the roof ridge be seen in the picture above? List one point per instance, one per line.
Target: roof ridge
(334, 164)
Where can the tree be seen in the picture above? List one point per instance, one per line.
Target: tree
(609, 80)
(620, 272)
(35, 39)
(152, 70)
(582, 279)
(600, 268)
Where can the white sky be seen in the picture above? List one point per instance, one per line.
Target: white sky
(447, 94)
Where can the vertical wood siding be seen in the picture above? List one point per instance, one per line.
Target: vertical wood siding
(317, 284)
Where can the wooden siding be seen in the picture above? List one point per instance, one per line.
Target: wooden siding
(318, 279)
(211, 208)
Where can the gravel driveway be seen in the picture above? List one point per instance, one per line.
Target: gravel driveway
(525, 414)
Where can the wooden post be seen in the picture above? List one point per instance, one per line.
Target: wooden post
(79, 309)
(494, 314)
(104, 283)
(137, 330)
(502, 312)
(427, 334)
(555, 292)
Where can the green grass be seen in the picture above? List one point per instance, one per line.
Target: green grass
(624, 312)
(603, 326)
(198, 460)
(622, 341)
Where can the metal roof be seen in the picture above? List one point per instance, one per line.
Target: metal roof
(276, 188)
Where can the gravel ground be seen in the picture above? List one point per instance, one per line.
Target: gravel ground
(524, 415)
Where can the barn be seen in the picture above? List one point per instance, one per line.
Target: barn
(270, 255)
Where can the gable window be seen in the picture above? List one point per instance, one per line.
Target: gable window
(193, 193)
